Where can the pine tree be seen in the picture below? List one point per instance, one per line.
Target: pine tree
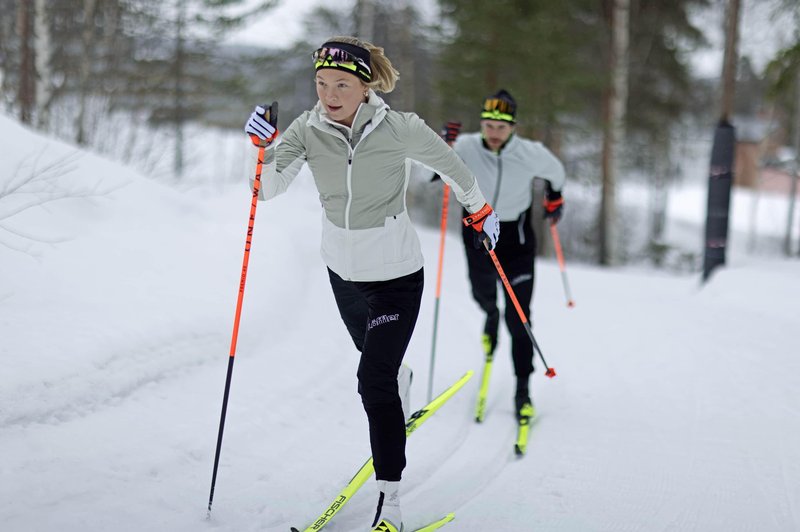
(555, 58)
(194, 28)
(542, 52)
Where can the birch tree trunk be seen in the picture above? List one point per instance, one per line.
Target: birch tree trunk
(43, 53)
(723, 153)
(85, 69)
(365, 19)
(179, 88)
(406, 62)
(614, 130)
(730, 59)
(27, 79)
(6, 33)
(787, 244)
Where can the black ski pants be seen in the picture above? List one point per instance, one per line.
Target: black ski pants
(516, 251)
(380, 317)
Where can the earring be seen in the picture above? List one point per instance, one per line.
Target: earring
(366, 94)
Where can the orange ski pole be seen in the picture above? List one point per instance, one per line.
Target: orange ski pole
(272, 118)
(551, 372)
(443, 232)
(449, 134)
(561, 266)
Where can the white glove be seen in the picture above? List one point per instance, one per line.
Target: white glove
(258, 126)
(487, 225)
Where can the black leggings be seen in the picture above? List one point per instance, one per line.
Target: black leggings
(380, 317)
(516, 250)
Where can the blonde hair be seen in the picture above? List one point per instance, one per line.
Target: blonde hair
(384, 75)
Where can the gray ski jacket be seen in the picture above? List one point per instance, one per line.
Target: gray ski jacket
(506, 177)
(362, 175)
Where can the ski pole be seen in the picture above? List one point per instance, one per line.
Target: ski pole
(551, 372)
(449, 134)
(443, 232)
(561, 265)
(272, 118)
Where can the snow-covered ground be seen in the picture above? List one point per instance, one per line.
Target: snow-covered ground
(676, 407)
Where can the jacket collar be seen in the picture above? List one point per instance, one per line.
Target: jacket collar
(369, 113)
(509, 142)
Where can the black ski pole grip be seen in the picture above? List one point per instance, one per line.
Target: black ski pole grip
(272, 111)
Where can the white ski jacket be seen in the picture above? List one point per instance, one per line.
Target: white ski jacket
(362, 175)
(506, 177)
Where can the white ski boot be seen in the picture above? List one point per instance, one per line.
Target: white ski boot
(404, 377)
(388, 517)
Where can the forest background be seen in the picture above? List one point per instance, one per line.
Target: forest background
(611, 86)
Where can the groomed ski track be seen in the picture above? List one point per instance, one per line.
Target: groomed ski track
(674, 408)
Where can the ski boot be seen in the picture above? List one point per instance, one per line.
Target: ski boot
(388, 517)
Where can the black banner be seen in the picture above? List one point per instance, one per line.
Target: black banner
(720, 180)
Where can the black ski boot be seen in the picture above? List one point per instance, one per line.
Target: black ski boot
(524, 408)
(490, 327)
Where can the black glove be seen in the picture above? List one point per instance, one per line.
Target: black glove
(450, 131)
(553, 206)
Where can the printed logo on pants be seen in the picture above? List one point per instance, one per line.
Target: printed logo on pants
(380, 320)
(521, 278)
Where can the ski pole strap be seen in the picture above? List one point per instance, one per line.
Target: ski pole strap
(476, 219)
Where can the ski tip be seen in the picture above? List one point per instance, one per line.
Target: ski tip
(519, 451)
(293, 529)
(551, 372)
(449, 517)
(436, 525)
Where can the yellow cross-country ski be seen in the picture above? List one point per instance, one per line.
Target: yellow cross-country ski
(417, 418)
(483, 391)
(524, 418)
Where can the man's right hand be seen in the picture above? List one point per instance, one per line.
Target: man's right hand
(450, 132)
(553, 206)
(262, 125)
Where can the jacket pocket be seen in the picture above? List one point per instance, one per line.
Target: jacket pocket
(391, 242)
(400, 242)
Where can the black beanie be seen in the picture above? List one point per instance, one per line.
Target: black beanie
(499, 106)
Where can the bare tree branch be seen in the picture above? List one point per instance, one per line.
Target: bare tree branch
(34, 184)
(30, 236)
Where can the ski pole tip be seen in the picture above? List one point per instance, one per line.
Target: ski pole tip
(551, 372)
(571, 303)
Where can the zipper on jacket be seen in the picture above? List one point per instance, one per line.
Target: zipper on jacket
(347, 139)
(347, 235)
(349, 184)
(499, 179)
(350, 156)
